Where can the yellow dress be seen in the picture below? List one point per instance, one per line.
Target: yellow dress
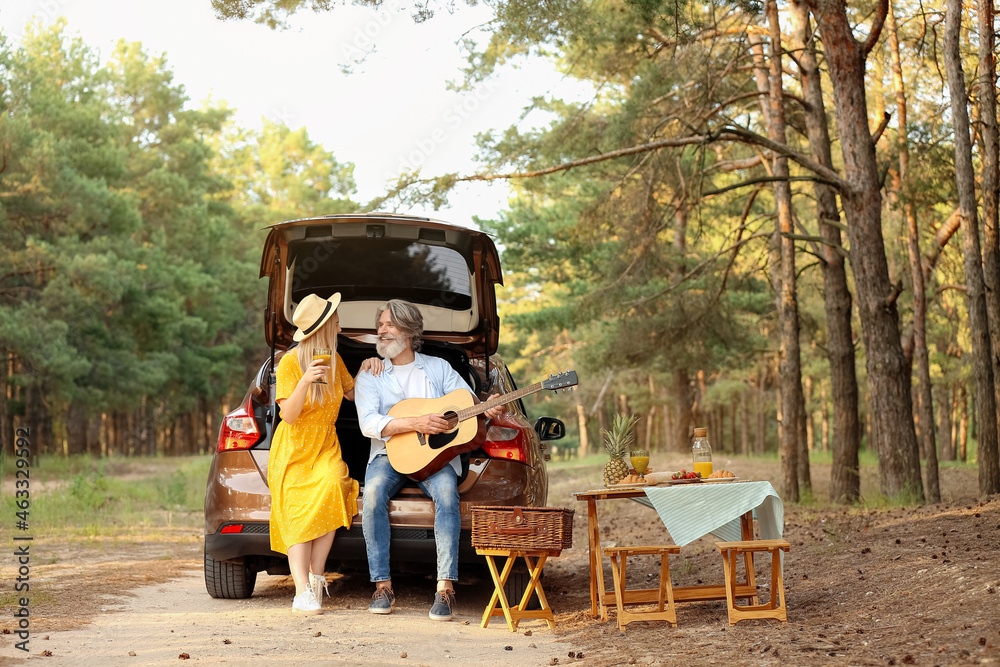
(312, 492)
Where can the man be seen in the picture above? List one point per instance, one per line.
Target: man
(408, 374)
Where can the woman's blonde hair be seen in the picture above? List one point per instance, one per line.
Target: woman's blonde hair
(325, 336)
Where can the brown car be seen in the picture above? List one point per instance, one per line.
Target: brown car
(450, 273)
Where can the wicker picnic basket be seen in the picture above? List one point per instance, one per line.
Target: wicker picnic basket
(533, 528)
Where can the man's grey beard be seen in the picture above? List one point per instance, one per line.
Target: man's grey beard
(391, 348)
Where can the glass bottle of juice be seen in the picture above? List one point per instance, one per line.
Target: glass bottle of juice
(701, 453)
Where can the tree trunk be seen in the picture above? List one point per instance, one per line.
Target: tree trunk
(668, 429)
(119, 443)
(172, 444)
(699, 413)
(76, 428)
(205, 426)
(94, 434)
(6, 419)
(651, 417)
(682, 403)
(104, 436)
(734, 408)
(962, 437)
(902, 188)
(990, 188)
(745, 422)
(149, 427)
(760, 441)
(844, 477)
(581, 420)
(888, 370)
(956, 416)
(38, 420)
(720, 421)
(982, 360)
(824, 418)
(945, 407)
(790, 445)
(805, 474)
(807, 391)
(868, 432)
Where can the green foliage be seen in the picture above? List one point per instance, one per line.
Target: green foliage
(565, 448)
(90, 493)
(81, 495)
(131, 224)
(276, 13)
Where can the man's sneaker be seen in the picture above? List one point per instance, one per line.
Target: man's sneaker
(305, 603)
(382, 601)
(317, 583)
(444, 602)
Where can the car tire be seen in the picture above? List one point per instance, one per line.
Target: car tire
(516, 583)
(228, 580)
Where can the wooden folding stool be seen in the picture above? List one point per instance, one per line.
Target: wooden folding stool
(665, 610)
(774, 608)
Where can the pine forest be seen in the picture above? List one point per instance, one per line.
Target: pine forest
(778, 221)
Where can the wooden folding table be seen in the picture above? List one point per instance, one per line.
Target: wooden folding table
(601, 599)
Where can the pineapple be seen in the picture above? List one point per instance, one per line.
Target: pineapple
(618, 441)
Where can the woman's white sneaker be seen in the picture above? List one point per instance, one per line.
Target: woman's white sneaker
(306, 603)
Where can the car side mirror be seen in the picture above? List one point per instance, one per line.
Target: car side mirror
(550, 428)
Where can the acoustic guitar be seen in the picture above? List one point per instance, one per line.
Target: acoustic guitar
(420, 455)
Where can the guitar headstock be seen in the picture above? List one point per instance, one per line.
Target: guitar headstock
(559, 381)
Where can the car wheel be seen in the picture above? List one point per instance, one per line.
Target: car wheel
(225, 579)
(516, 584)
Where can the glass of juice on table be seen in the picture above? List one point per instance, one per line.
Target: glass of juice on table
(639, 459)
(701, 453)
(325, 354)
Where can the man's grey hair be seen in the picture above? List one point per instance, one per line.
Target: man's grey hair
(406, 317)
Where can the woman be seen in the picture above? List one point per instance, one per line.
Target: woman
(312, 493)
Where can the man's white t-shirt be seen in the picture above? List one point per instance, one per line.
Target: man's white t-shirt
(412, 380)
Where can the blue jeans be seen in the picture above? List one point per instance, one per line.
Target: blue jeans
(382, 482)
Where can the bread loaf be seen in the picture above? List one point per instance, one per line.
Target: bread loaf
(632, 479)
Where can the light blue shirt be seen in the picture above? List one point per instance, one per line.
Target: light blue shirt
(375, 396)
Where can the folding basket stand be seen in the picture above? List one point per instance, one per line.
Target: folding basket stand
(532, 534)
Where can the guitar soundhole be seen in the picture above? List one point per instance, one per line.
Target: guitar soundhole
(452, 418)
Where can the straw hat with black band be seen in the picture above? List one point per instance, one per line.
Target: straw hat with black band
(312, 313)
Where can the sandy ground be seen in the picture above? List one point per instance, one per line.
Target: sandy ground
(160, 623)
(865, 586)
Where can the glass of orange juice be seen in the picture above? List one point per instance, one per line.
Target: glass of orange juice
(325, 354)
(639, 459)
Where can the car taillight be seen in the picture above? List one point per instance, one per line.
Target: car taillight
(506, 439)
(239, 429)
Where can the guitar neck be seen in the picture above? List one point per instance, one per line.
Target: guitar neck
(480, 408)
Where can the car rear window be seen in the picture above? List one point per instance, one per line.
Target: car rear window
(381, 269)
